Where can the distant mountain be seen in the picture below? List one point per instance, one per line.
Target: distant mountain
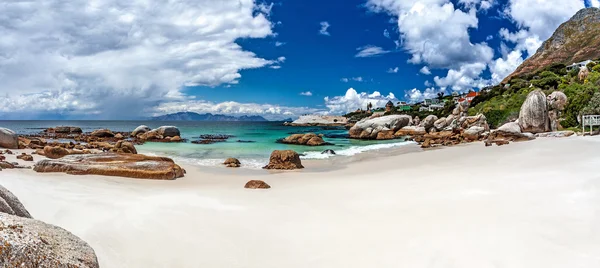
(190, 116)
(574, 41)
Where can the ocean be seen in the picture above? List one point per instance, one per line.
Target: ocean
(260, 140)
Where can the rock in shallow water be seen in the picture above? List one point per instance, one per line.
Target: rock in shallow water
(232, 162)
(122, 165)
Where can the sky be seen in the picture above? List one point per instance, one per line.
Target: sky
(109, 59)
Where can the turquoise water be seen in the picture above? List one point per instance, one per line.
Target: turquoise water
(252, 154)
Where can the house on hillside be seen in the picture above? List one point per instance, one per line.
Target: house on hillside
(578, 65)
(471, 95)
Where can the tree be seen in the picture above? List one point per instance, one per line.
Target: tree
(440, 95)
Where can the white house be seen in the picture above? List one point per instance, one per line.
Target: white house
(578, 65)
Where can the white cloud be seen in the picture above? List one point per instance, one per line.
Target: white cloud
(463, 79)
(278, 44)
(386, 33)
(595, 3)
(306, 93)
(425, 70)
(442, 42)
(324, 28)
(269, 111)
(415, 95)
(489, 37)
(370, 51)
(357, 79)
(503, 67)
(276, 67)
(114, 58)
(482, 4)
(353, 100)
(393, 70)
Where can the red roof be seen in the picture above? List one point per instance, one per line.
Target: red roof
(461, 99)
(472, 94)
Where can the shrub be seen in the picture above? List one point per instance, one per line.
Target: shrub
(596, 68)
(579, 97)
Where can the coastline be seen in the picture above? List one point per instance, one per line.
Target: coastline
(464, 206)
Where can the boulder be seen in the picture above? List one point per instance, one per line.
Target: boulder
(583, 74)
(176, 139)
(8, 139)
(26, 242)
(232, 162)
(66, 130)
(168, 131)
(55, 152)
(256, 184)
(140, 130)
(416, 121)
(478, 120)
(428, 122)
(118, 136)
(102, 133)
(473, 133)
(557, 101)
(411, 131)
(441, 123)
(309, 139)
(329, 152)
(112, 164)
(511, 132)
(286, 159)
(555, 134)
(25, 157)
(533, 116)
(124, 147)
(379, 128)
(10, 204)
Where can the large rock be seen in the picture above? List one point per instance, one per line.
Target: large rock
(55, 152)
(168, 131)
(379, 128)
(103, 133)
(534, 113)
(429, 121)
(10, 204)
(287, 159)
(478, 120)
(411, 131)
(557, 101)
(309, 139)
(124, 147)
(66, 130)
(8, 139)
(140, 130)
(232, 162)
(473, 133)
(512, 132)
(26, 242)
(111, 164)
(257, 184)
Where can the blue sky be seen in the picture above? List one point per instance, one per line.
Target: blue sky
(77, 59)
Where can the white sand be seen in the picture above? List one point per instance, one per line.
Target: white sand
(533, 204)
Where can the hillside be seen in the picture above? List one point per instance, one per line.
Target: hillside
(574, 41)
(190, 116)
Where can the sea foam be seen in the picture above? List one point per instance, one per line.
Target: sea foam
(354, 150)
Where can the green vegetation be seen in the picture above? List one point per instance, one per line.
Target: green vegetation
(503, 103)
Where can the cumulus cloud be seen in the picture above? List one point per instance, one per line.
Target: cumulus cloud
(503, 67)
(370, 51)
(306, 93)
(464, 78)
(595, 3)
(415, 95)
(425, 70)
(117, 58)
(269, 111)
(324, 28)
(393, 70)
(353, 100)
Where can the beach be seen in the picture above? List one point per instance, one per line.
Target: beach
(529, 204)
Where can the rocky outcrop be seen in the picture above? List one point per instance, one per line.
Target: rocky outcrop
(556, 134)
(319, 120)
(111, 164)
(168, 131)
(164, 134)
(25, 157)
(102, 133)
(511, 132)
(478, 120)
(583, 74)
(55, 152)
(8, 139)
(329, 152)
(286, 160)
(574, 41)
(380, 128)
(309, 139)
(124, 147)
(140, 130)
(428, 122)
(473, 133)
(232, 162)
(534, 113)
(65, 130)
(257, 184)
(26, 242)
(410, 131)
(10, 204)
